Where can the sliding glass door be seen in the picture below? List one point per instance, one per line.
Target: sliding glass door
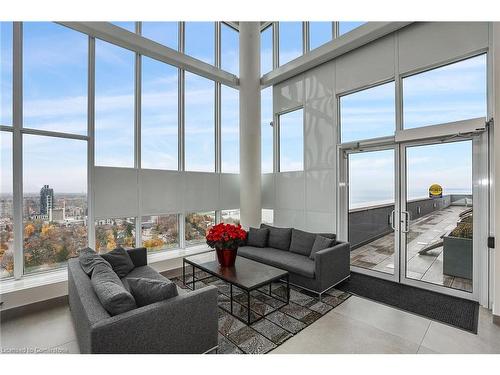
(371, 210)
(437, 216)
(409, 213)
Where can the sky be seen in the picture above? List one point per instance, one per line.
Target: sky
(371, 174)
(55, 98)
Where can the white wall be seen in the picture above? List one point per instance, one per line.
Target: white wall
(307, 199)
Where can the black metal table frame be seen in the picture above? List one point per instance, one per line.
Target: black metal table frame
(246, 290)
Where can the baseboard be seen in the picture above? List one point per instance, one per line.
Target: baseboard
(496, 319)
(31, 308)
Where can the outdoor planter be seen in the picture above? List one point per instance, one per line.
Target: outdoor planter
(457, 257)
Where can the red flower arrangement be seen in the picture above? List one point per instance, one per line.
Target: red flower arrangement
(226, 236)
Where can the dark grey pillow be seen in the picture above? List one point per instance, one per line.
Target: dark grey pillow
(257, 237)
(110, 291)
(120, 261)
(321, 243)
(279, 238)
(302, 242)
(89, 259)
(148, 291)
(328, 235)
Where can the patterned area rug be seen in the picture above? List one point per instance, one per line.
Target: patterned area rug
(236, 337)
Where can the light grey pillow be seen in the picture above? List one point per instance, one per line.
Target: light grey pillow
(321, 243)
(257, 237)
(110, 290)
(89, 259)
(148, 291)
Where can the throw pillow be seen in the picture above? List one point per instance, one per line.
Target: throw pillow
(120, 261)
(110, 291)
(279, 238)
(89, 259)
(257, 237)
(302, 242)
(321, 243)
(148, 291)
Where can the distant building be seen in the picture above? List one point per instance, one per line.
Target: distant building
(46, 200)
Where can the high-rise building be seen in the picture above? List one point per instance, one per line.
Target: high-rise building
(46, 199)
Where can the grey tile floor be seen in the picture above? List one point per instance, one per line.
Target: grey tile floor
(356, 326)
(379, 254)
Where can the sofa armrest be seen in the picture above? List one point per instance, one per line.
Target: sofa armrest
(332, 265)
(139, 256)
(183, 324)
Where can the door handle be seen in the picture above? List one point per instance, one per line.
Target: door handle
(406, 221)
(391, 220)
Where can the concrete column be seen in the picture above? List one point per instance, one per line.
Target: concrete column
(496, 160)
(250, 156)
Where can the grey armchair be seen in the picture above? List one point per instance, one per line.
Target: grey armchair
(186, 323)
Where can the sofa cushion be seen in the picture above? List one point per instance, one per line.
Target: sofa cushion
(89, 259)
(120, 261)
(110, 290)
(279, 238)
(148, 291)
(286, 260)
(321, 243)
(302, 242)
(257, 237)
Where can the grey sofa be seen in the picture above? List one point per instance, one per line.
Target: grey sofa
(186, 323)
(329, 267)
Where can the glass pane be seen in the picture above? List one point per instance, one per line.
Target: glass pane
(166, 33)
(196, 227)
(6, 212)
(55, 65)
(55, 201)
(345, 27)
(230, 49)
(231, 216)
(319, 33)
(369, 113)
(6, 73)
(200, 41)
(439, 202)
(130, 26)
(159, 125)
(199, 124)
(111, 233)
(160, 232)
(267, 130)
(292, 141)
(114, 106)
(230, 123)
(451, 93)
(267, 216)
(371, 202)
(290, 41)
(266, 50)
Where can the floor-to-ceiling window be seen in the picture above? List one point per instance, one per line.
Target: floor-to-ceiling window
(199, 124)
(114, 105)
(54, 181)
(159, 115)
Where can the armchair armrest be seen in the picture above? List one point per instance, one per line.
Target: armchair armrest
(183, 324)
(332, 265)
(139, 256)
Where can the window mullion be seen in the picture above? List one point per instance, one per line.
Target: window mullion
(90, 142)
(17, 143)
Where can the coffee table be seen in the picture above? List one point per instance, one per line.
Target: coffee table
(246, 274)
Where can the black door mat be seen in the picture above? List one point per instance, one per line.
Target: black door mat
(454, 311)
